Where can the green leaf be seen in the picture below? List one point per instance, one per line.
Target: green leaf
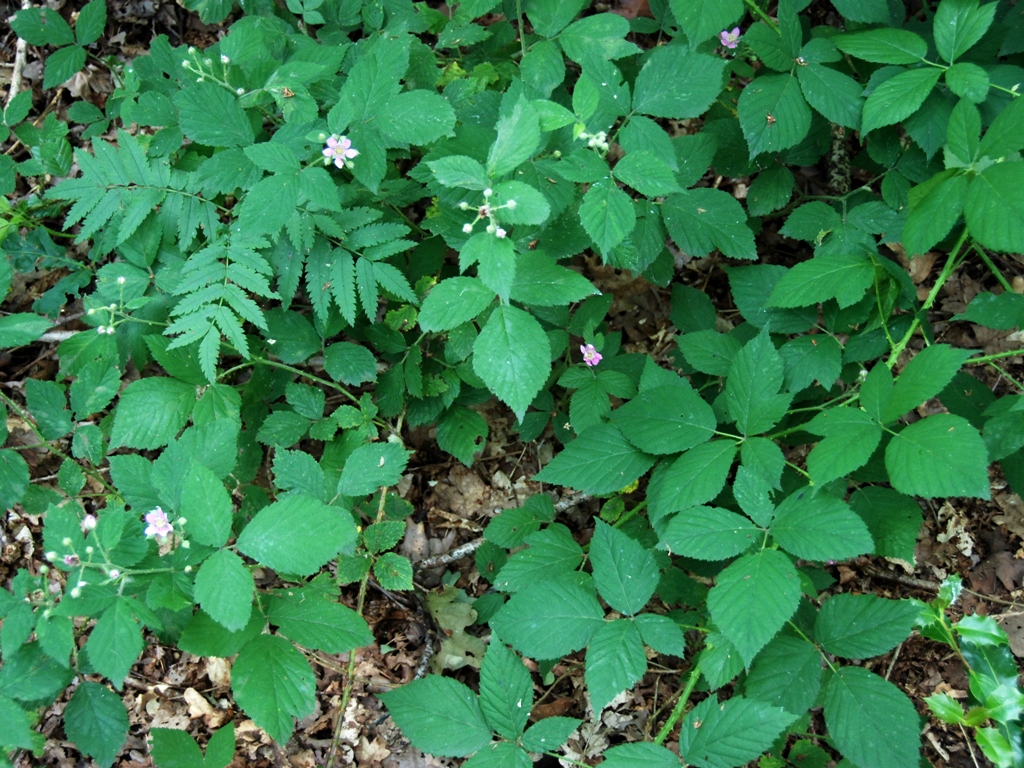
(549, 620)
(841, 276)
(224, 588)
(942, 455)
(709, 533)
(62, 64)
(862, 626)
(506, 691)
(518, 139)
(439, 715)
(924, 377)
(666, 419)
(549, 734)
(851, 436)
(870, 720)
(393, 571)
(416, 117)
(553, 554)
(696, 477)
(807, 359)
(22, 328)
(703, 219)
(459, 171)
(32, 677)
(91, 21)
(709, 351)
(615, 661)
(600, 460)
(542, 282)
(269, 204)
(1006, 134)
(607, 214)
(640, 754)
(372, 466)
(898, 97)
(753, 598)
(96, 721)
(883, 46)
(959, 24)
(816, 526)
(625, 572)
(297, 535)
(316, 622)
(770, 191)
(995, 216)
(773, 114)
(512, 356)
(206, 505)
(787, 673)
(864, 11)
(661, 633)
(968, 81)
(350, 363)
(703, 19)
(115, 642)
(42, 26)
(752, 388)
(647, 173)
(893, 519)
(724, 735)
(175, 749)
(945, 707)
(678, 83)
(209, 114)
(998, 311)
(543, 67)
(601, 35)
(549, 17)
(933, 212)
(499, 754)
(462, 432)
(151, 412)
(273, 683)
(16, 732)
(95, 387)
(48, 404)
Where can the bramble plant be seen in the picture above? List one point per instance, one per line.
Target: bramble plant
(380, 205)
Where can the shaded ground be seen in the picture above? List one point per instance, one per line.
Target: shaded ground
(168, 688)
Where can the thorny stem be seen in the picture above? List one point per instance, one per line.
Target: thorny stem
(1008, 377)
(763, 16)
(996, 356)
(992, 267)
(951, 264)
(680, 707)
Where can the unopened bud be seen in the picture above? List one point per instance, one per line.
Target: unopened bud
(467, 228)
(224, 59)
(500, 233)
(488, 192)
(66, 541)
(121, 280)
(511, 205)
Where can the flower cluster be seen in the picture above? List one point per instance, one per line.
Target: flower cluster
(338, 150)
(486, 211)
(598, 141)
(730, 39)
(590, 354)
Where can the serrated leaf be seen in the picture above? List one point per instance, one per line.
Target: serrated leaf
(22, 328)
(709, 351)
(725, 735)
(770, 191)
(933, 214)
(210, 115)
(350, 363)
(459, 171)
(151, 412)
(833, 94)
(786, 673)
(841, 276)
(870, 720)
(96, 721)
(647, 173)
(462, 432)
(851, 436)
(297, 535)
(862, 626)
(709, 533)
(115, 642)
(696, 477)
(607, 214)
(666, 419)
(549, 620)
(773, 114)
(703, 219)
(506, 691)
(752, 394)
(941, 455)
(224, 588)
(816, 526)
(808, 359)
(416, 117)
(542, 282)
(600, 460)
(317, 622)
(550, 733)
(959, 24)
(925, 376)
(893, 519)
(440, 714)
(753, 598)
(42, 26)
(883, 46)
(615, 661)
(372, 466)
(512, 356)
(206, 505)
(393, 571)
(553, 554)
(517, 141)
(625, 572)
(995, 216)
(677, 83)
(175, 749)
(273, 683)
(998, 311)
(898, 97)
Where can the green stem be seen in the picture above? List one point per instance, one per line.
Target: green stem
(992, 267)
(522, 37)
(951, 264)
(996, 356)
(291, 369)
(763, 16)
(680, 707)
(1008, 377)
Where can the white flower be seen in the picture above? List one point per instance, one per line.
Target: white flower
(121, 280)
(113, 573)
(467, 228)
(500, 233)
(240, 91)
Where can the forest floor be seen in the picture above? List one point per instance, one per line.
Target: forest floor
(982, 541)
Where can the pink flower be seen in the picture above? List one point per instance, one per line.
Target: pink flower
(339, 149)
(590, 355)
(159, 525)
(730, 39)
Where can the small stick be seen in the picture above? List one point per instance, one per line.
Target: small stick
(19, 62)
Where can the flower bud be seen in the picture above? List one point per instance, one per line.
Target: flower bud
(488, 192)
(464, 206)
(500, 233)
(224, 59)
(490, 229)
(511, 205)
(188, 569)
(186, 544)
(121, 280)
(113, 573)
(76, 592)
(467, 228)
(66, 541)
